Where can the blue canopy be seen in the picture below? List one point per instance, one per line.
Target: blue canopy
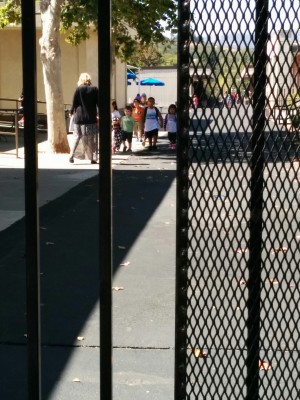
(131, 75)
(152, 82)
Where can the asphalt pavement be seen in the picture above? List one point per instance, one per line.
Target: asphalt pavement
(144, 203)
(144, 190)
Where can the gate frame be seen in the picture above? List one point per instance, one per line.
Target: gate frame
(31, 201)
(182, 199)
(256, 199)
(105, 199)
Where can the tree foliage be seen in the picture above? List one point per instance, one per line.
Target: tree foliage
(169, 59)
(152, 55)
(10, 13)
(169, 52)
(146, 56)
(225, 63)
(134, 22)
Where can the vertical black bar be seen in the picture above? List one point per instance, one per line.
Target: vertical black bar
(182, 200)
(17, 131)
(256, 201)
(105, 197)
(31, 200)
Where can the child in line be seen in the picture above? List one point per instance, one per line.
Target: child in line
(143, 103)
(127, 124)
(21, 109)
(170, 125)
(115, 120)
(152, 120)
(138, 115)
(195, 101)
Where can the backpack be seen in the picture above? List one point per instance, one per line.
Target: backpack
(145, 113)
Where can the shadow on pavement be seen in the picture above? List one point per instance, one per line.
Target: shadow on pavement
(236, 146)
(69, 244)
(8, 143)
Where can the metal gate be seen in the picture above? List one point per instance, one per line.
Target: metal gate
(237, 306)
(33, 315)
(237, 313)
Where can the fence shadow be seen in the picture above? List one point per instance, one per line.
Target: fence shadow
(69, 246)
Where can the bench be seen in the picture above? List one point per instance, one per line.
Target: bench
(9, 125)
(41, 122)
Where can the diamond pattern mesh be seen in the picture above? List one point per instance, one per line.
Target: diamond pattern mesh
(240, 312)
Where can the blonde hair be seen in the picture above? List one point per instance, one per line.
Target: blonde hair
(84, 79)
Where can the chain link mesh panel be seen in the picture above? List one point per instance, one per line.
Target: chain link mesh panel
(238, 238)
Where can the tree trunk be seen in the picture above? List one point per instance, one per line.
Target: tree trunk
(51, 61)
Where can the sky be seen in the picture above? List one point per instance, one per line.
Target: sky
(215, 17)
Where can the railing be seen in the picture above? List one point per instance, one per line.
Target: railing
(7, 103)
(9, 124)
(10, 113)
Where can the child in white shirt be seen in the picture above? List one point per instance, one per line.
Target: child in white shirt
(170, 125)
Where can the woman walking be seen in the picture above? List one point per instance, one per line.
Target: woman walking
(84, 111)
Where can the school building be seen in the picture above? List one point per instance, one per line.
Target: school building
(82, 58)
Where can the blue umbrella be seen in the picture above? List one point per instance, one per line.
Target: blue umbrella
(131, 75)
(152, 82)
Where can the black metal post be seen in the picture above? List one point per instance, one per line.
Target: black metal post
(256, 201)
(182, 200)
(105, 197)
(17, 131)
(31, 201)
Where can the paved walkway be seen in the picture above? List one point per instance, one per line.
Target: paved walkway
(56, 176)
(144, 267)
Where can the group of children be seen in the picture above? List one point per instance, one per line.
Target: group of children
(143, 122)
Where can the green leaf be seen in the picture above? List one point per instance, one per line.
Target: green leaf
(134, 22)
(10, 13)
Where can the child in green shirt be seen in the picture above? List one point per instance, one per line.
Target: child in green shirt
(127, 124)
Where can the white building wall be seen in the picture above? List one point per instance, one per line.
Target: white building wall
(119, 83)
(164, 95)
(83, 58)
